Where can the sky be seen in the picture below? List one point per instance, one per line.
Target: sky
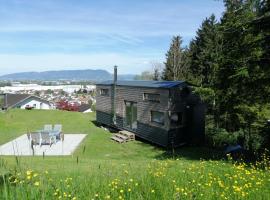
(40, 35)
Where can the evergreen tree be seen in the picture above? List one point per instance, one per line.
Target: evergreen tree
(239, 75)
(174, 65)
(203, 53)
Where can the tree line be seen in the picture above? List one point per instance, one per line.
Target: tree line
(228, 65)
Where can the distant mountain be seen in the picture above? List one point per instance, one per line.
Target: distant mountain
(88, 74)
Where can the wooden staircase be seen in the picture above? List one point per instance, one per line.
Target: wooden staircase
(123, 136)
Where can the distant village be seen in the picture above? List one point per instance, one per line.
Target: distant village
(62, 95)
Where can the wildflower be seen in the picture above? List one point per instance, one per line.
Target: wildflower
(28, 172)
(74, 198)
(152, 191)
(129, 189)
(121, 191)
(15, 181)
(36, 183)
(96, 195)
(35, 174)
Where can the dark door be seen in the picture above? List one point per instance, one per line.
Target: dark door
(131, 115)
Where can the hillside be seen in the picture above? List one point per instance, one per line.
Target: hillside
(88, 74)
(103, 169)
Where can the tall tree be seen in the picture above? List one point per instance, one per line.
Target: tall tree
(157, 70)
(174, 65)
(203, 53)
(238, 79)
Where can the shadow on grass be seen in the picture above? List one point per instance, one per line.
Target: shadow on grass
(191, 153)
(186, 152)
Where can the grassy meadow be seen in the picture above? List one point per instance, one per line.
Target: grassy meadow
(103, 169)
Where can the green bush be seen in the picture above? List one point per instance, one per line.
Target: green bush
(219, 137)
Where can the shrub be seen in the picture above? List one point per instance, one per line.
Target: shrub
(219, 137)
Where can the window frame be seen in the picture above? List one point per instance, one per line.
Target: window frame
(102, 93)
(157, 122)
(146, 97)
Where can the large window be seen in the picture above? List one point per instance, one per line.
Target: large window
(151, 97)
(104, 92)
(157, 117)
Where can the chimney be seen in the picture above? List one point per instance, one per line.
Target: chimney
(114, 95)
(115, 75)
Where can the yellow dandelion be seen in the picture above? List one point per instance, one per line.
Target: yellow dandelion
(28, 172)
(121, 191)
(36, 183)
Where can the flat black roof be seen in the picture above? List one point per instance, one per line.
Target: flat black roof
(150, 84)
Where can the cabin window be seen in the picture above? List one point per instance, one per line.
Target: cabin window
(151, 97)
(176, 118)
(2, 101)
(104, 92)
(157, 117)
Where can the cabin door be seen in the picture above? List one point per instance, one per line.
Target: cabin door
(131, 115)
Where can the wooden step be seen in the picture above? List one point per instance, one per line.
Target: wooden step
(123, 137)
(128, 134)
(117, 139)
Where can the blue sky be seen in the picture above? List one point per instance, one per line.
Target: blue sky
(40, 35)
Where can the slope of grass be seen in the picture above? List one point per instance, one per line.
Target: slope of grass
(103, 169)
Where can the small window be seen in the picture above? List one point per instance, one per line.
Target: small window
(2, 101)
(151, 97)
(104, 92)
(157, 117)
(176, 118)
(34, 105)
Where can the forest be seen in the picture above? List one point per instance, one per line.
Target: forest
(228, 66)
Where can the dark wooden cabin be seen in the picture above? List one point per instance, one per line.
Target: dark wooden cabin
(166, 113)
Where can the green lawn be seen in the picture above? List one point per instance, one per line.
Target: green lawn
(103, 169)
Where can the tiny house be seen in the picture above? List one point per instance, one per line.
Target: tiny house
(166, 113)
